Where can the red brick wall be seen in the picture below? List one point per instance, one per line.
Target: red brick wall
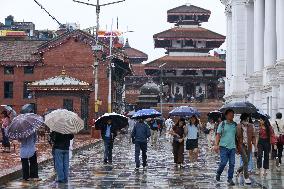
(77, 58)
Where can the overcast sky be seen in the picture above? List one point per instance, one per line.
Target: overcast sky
(145, 17)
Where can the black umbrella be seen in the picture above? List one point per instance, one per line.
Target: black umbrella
(215, 115)
(240, 107)
(259, 114)
(118, 121)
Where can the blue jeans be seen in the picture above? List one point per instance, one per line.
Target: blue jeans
(225, 156)
(143, 147)
(62, 164)
(108, 143)
(250, 165)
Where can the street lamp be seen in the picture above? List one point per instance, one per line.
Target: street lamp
(97, 47)
(161, 86)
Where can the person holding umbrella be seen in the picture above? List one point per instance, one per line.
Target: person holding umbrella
(23, 128)
(63, 124)
(225, 142)
(178, 132)
(5, 123)
(108, 134)
(140, 135)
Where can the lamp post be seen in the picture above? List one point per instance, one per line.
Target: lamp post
(97, 47)
(161, 86)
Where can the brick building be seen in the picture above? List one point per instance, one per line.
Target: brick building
(34, 65)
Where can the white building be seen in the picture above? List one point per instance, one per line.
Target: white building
(255, 53)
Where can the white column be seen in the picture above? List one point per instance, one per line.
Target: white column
(249, 39)
(229, 53)
(274, 100)
(280, 29)
(239, 88)
(258, 35)
(270, 44)
(281, 98)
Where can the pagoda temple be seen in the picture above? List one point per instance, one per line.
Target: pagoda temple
(187, 72)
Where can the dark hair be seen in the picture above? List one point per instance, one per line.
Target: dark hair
(267, 125)
(279, 115)
(229, 111)
(5, 113)
(197, 121)
(244, 116)
(181, 119)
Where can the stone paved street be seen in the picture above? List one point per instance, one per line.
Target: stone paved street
(87, 171)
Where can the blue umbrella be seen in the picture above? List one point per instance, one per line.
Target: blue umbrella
(185, 111)
(146, 113)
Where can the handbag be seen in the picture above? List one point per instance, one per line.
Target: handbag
(281, 137)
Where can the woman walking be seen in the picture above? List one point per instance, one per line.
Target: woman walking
(210, 133)
(178, 132)
(5, 123)
(192, 133)
(29, 158)
(266, 138)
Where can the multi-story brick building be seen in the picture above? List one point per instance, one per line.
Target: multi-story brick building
(38, 66)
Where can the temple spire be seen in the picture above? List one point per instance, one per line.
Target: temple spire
(126, 45)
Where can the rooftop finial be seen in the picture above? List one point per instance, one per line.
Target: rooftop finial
(188, 3)
(126, 45)
(63, 72)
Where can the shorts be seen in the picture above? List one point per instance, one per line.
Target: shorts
(191, 144)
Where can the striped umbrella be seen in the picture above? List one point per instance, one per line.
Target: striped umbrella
(64, 121)
(24, 125)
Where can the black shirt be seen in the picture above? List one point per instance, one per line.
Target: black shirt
(61, 141)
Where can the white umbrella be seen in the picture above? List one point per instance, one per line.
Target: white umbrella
(64, 121)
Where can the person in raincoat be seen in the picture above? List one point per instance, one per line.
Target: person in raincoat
(5, 123)
(29, 158)
(108, 134)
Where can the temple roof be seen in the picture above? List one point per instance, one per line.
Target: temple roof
(188, 62)
(13, 51)
(198, 33)
(61, 82)
(138, 70)
(133, 53)
(189, 9)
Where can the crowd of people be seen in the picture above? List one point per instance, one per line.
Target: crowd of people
(247, 138)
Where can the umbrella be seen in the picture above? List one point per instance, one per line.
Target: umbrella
(118, 121)
(260, 113)
(240, 107)
(12, 113)
(27, 108)
(146, 113)
(184, 111)
(24, 125)
(214, 115)
(64, 121)
(131, 113)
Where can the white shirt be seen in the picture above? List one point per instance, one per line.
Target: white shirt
(280, 126)
(169, 123)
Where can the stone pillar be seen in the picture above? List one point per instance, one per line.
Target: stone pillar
(258, 35)
(239, 21)
(280, 30)
(274, 99)
(270, 42)
(250, 38)
(229, 53)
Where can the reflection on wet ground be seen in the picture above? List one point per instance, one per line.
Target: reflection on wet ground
(88, 171)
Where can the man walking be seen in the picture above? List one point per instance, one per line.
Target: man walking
(246, 137)
(108, 134)
(278, 127)
(140, 134)
(226, 144)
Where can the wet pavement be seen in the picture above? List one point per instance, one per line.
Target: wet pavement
(88, 171)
